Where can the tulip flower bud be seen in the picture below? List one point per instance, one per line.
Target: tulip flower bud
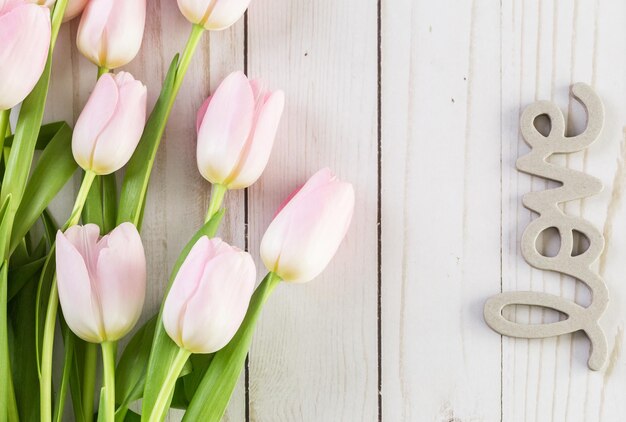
(307, 230)
(24, 43)
(110, 126)
(236, 130)
(101, 281)
(213, 15)
(209, 297)
(110, 31)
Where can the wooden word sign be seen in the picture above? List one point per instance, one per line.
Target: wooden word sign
(574, 185)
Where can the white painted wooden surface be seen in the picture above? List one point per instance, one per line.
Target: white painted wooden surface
(417, 103)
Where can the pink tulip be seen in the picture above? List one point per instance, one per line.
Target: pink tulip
(213, 15)
(110, 31)
(236, 130)
(24, 43)
(110, 126)
(101, 281)
(209, 297)
(309, 228)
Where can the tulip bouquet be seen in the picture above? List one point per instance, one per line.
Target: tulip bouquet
(191, 353)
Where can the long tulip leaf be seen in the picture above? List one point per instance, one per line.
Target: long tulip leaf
(22, 320)
(18, 277)
(68, 345)
(46, 133)
(101, 205)
(53, 170)
(135, 184)
(130, 373)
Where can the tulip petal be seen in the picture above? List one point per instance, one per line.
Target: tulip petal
(305, 235)
(185, 284)
(225, 13)
(194, 10)
(201, 113)
(124, 32)
(259, 147)
(225, 128)
(85, 240)
(216, 310)
(121, 281)
(323, 177)
(118, 140)
(90, 39)
(80, 309)
(24, 43)
(273, 240)
(95, 116)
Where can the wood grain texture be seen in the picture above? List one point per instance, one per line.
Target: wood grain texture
(546, 46)
(440, 209)
(314, 357)
(454, 77)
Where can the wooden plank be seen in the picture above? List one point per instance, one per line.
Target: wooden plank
(546, 47)
(314, 357)
(440, 209)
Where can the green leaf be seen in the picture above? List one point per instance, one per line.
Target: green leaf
(130, 375)
(24, 352)
(213, 394)
(102, 403)
(189, 379)
(23, 274)
(7, 394)
(200, 364)
(164, 350)
(132, 417)
(54, 169)
(76, 382)
(101, 205)
(135, 184)
(7, 399)
(46, 133)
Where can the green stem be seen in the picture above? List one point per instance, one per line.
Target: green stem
(57, 20)
(45, 386)
(4, 125)
(102, 71)
(217, 198)
(109, 349)
(80, 200)
(89, 379)
(185, 59)
(167, 389)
